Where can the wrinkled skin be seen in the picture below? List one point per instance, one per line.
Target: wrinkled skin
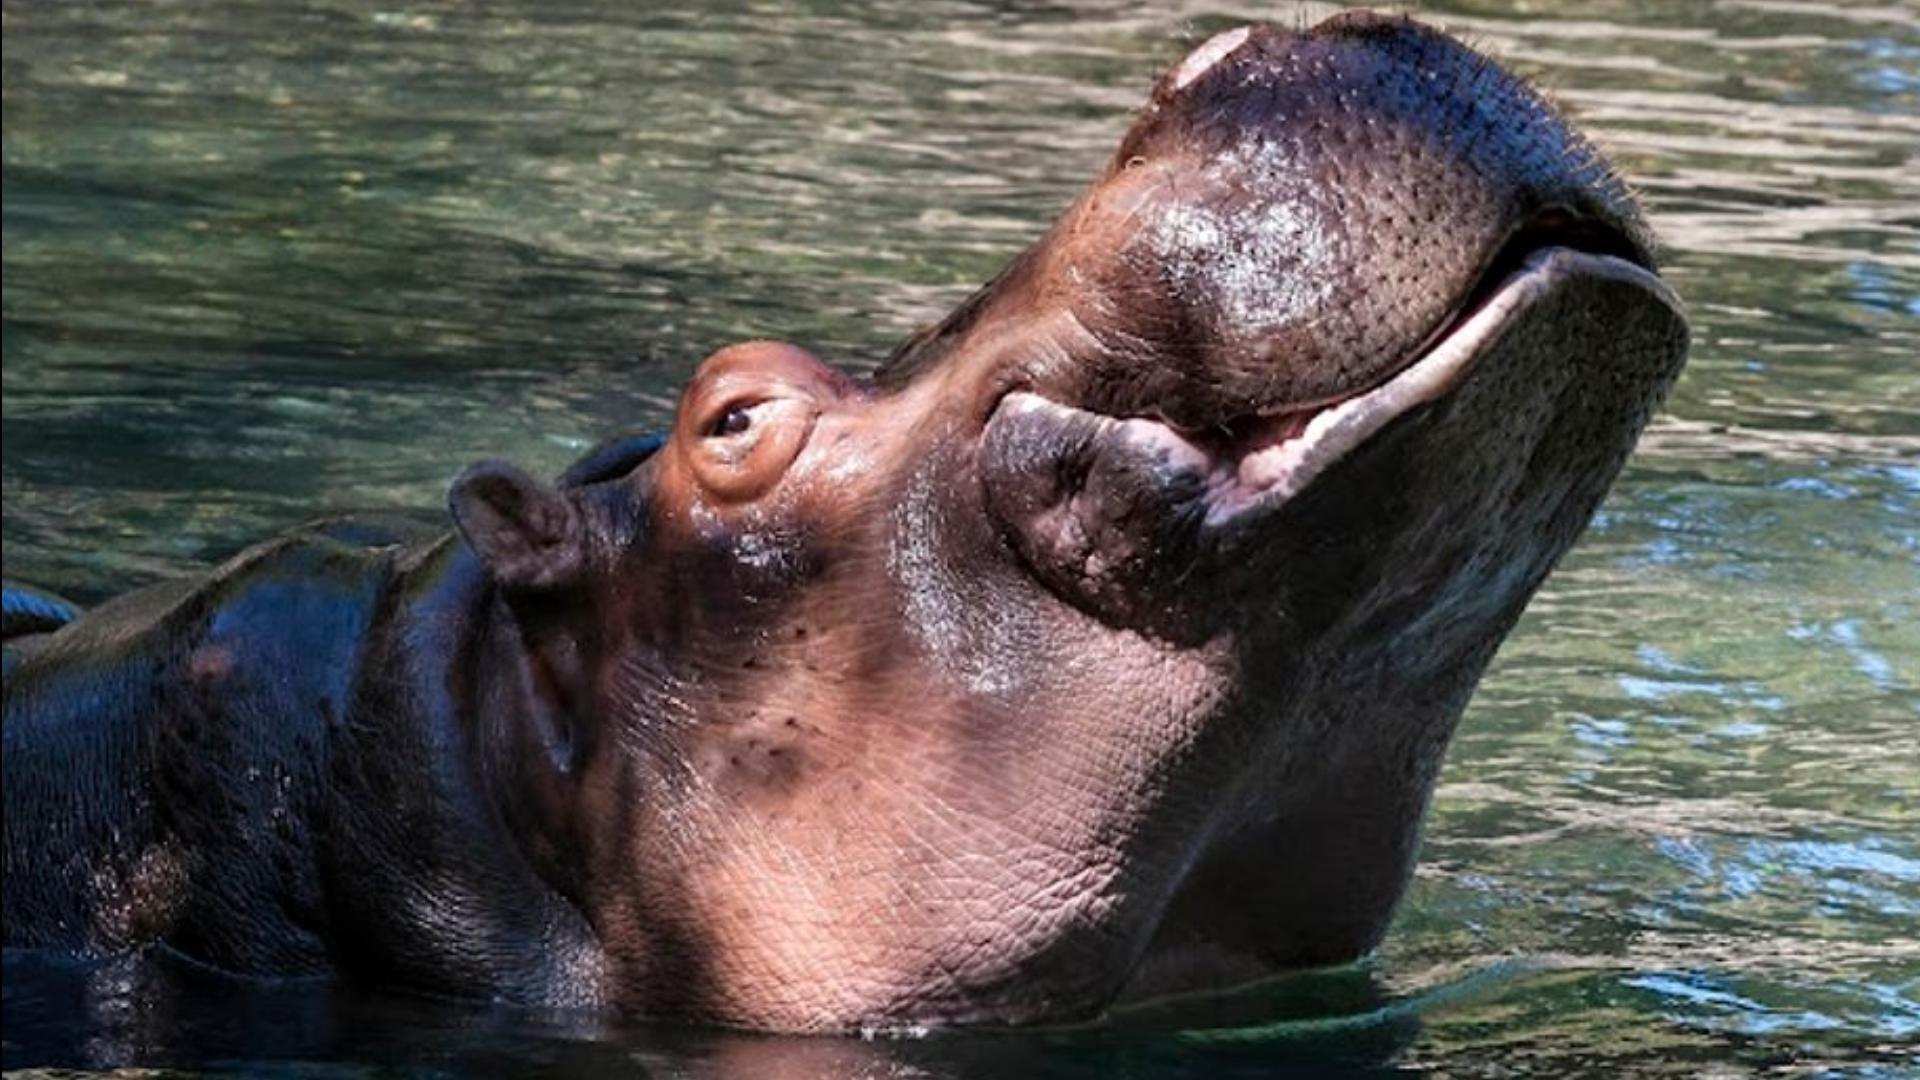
(1105, 644)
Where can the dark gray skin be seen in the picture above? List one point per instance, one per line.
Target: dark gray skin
(1106, 643)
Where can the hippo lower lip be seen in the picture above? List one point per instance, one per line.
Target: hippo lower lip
(1261, 462)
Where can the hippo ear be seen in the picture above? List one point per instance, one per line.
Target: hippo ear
(528, 535)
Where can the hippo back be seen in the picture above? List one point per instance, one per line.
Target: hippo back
(161, 757)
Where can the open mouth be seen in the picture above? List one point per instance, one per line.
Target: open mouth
(1266, 459)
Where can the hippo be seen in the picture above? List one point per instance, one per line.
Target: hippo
(1102, 643)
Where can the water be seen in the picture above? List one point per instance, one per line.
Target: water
(265, 263)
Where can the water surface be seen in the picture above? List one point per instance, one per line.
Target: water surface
(264, 263)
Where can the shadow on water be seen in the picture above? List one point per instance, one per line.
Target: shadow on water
(162, 1012)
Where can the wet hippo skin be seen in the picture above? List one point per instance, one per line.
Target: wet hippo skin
(1104, 643)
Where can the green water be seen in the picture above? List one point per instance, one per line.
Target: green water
(268, 262)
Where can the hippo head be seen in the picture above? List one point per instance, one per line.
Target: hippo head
(1108, 639)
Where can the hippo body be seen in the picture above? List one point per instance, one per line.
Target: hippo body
(1104, 644)
(267, 769)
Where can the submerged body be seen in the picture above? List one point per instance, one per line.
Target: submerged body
(1106, 643)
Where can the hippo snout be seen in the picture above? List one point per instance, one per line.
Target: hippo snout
(1296, 214)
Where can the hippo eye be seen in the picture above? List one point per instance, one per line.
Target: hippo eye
(733, 421)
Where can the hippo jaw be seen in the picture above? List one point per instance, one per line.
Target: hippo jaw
(1279, 455)
(1115, 488)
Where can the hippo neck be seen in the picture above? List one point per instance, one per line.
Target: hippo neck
(433, 809)
(523, 694)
